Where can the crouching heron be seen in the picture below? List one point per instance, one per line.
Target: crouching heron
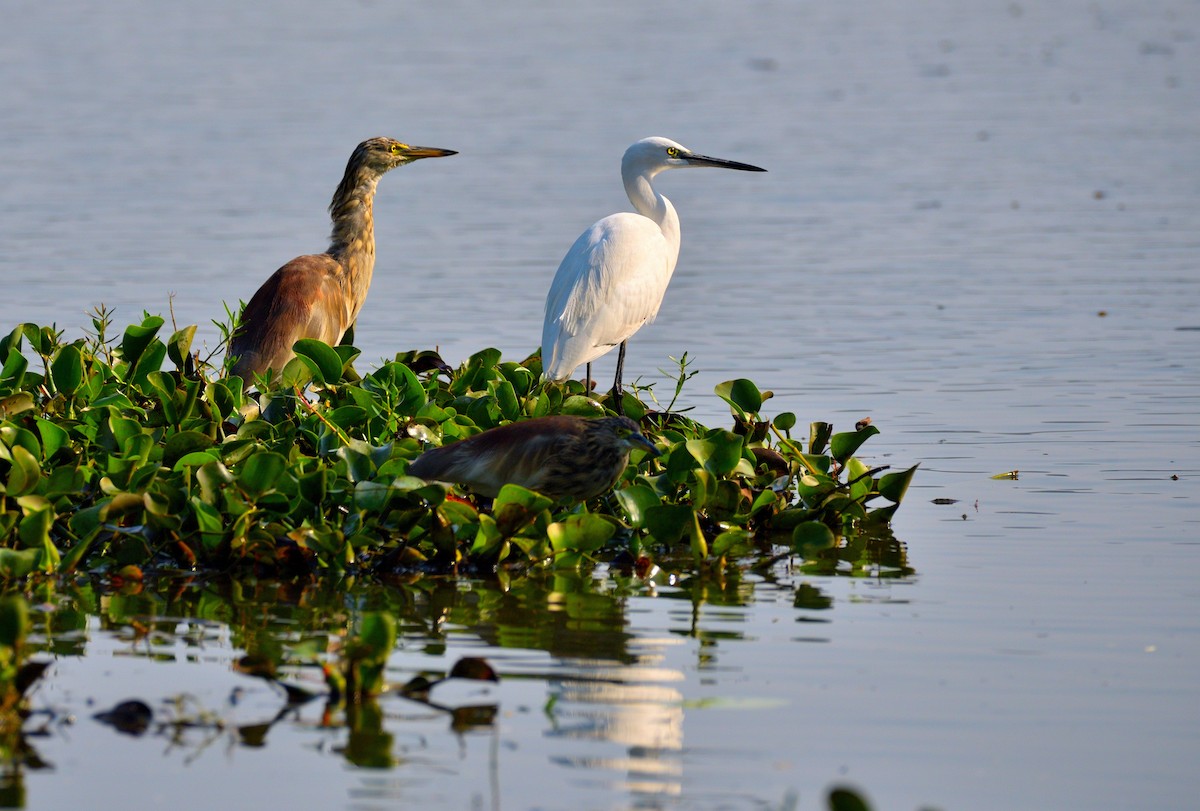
(565, 457)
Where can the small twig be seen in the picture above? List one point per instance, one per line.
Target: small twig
(312, 410)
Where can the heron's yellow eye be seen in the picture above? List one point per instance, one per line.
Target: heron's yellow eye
(396, 148)
(672, 152)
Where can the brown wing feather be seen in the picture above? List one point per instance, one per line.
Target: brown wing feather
(516, 453)
(303, 299)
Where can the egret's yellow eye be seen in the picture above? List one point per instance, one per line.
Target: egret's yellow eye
(672, 152)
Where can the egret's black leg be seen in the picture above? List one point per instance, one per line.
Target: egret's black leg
(618, 393)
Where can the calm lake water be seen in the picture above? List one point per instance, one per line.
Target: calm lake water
(980, 226)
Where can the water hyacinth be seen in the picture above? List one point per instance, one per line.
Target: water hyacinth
(135, 451)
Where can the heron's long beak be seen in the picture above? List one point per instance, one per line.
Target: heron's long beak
(415, 152)
(639, 440)
(704, 160)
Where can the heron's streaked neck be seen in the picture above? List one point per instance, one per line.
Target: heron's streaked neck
(649, 203)
(353, 240)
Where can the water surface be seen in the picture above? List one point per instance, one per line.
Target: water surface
(979, 227)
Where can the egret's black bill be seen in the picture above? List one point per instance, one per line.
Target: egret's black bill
(704, 160)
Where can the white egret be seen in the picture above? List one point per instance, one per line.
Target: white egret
(613, 279)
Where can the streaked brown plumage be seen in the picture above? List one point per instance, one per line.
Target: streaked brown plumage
(319, 296)
(564, 457)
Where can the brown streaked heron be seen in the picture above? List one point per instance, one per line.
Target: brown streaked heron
(564, 457)
(613, 279)
(320, 295)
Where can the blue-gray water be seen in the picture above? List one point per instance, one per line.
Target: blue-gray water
(980, 226)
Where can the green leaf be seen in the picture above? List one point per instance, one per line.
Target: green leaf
(327, 364)
(15, 404)
(818, 437)
(811, 537)
(506, 399)
(742, 394)
(719, 451)
(185, 443)
(668, 522)
(728, 539)
(635, 500)
(856, 472)
(14, 368)
(299, 372)
(25, 473)
(583, 532)
(35, 529)
(15, 563)
(261, 472)
(842, 446)
(516, 506)
(488, 538)
(224, 398)
(893, 486)
(138, 337)
(180, 345)
(66, 370)
(53, 437)
(581, 406)
(698, 542)
(151, 360)
(785, 421)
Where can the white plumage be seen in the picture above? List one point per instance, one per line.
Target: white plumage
(613, 279)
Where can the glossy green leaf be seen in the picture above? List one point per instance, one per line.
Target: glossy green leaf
(856, 476)
(66, 370)
(742, 394)
(53, 437)
(299, 372)
(696, 539)
(729, 539)
(326, 362)
(138, 337)
(180, 345)
(25, 473)
(15, 404)
(17, 563)
(14, 369)
(579, 405)
(818, 437)
(668, 522)
(182, 444)
(262, 471)
(151, 360)
(785, 421)
(844, 445)
(515, 506)
(636, 500)
(583, 532)
(893, 486)
(719, 451)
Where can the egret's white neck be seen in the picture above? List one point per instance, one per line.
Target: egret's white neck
(649, 203)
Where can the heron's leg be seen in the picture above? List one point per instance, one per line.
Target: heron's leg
(618, 393)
